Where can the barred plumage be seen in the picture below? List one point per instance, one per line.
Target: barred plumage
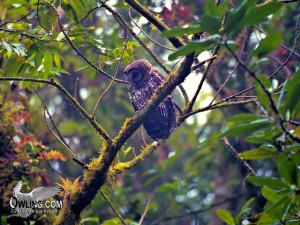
(144, 79)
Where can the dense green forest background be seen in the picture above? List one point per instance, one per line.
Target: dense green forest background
(66, 118)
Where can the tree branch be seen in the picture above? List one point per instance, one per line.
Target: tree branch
(236, 154)
(76, 50)
(123, 23)
(145, 153)
(117, 213)
(272, 103)
(154, 20)
(95, 176)
(174, 217)
(68, 96)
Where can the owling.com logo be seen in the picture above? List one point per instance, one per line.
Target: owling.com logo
(26, 204)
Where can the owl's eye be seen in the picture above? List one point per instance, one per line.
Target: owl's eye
(136, 75)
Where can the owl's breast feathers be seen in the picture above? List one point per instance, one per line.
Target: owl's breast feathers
(160, 123)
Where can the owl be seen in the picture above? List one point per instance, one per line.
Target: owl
(144, 79)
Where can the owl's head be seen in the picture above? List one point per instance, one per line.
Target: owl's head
(138, 73)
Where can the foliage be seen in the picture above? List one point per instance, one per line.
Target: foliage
(64, 59)
(19, 150)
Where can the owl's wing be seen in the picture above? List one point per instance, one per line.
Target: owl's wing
(136, 99)
(157, 77)
(42, 193)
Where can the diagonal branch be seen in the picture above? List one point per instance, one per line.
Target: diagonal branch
(154, 20)
(236, 154)
(146, 152)
(77, 50)
(68, 96)
(191, 213)
(150, 38)
(111, 82)
(124, 24)
(95, 176)
(268, 94)
(117, 213)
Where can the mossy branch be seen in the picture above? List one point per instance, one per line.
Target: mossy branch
(145, 152)
(95, 175)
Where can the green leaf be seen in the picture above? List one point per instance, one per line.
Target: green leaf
(56, 58)
(260, 13)
(19, 49)
(211, 8)
(196, 46)
(287, 169)
(15, 1)
(267, 181)
(210, 24)
(7, 47)
(237, 14)
(268, 44)
(261, 94)
(247, 204)
(225, 216)
(269, 194)
(265, 218)
(244, 117)
(263, 152)
(47, 62)
(89, 219)
(277, 208)
(178, 32)
(256, 139)
(264, 80)
(247, 128)
(293, 92)
(113, 221)
(3, 10)
(244, 211)
(38, 58)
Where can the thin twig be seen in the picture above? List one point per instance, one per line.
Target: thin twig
(146, 209)
(77, 50)
(76, 87)
(217, 105)
(272, 103)
(205, 73)
(24, 34)
(236, 154)
(68, 96)
(225, 82)
(58, 136)
(88, 13)
(294, 122)
(117, 213)
(294, 48)
(111, 82)
(55, 171)
(151, 39)
(20, 19)
(123, 23)
(273, 74)
(154, 20)
(38, 16)
(174, 217)
(288, 1)
(281, 45)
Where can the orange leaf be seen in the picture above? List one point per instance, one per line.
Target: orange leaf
(68, 186)
(53, 154)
